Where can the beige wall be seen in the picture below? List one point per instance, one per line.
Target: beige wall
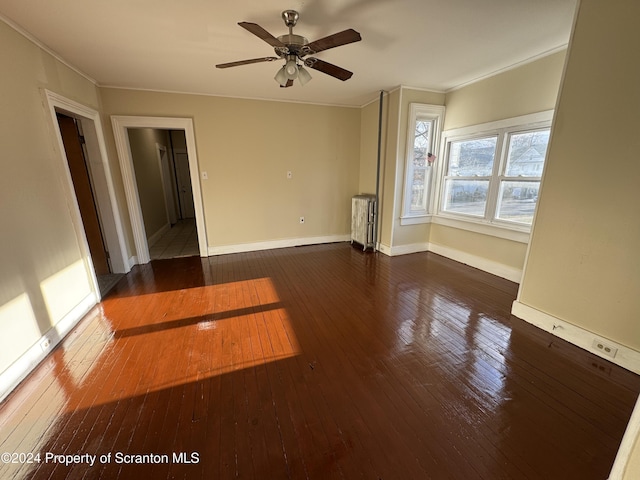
(142, 142)
(247, 146)
(500, 251)
(43, 269)
(530, 88)
(632, 471)
(583, 265)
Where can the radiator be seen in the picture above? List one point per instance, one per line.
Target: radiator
(363, 211)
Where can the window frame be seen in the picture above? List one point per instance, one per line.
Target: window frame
(485, 178)
(504, 178)
(434, 114)
(503, 130)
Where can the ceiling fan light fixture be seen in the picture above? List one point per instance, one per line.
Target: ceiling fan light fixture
(281, 77)
(303, 75)
(291, 68)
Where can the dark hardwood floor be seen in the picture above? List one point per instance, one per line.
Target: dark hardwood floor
(318, 362)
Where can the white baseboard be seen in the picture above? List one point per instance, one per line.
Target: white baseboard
(489, 266)
(486, 265)
(386, 249)
(625, 356)
(403, 249)
(18, 370)
(272, 244)
(133, 260)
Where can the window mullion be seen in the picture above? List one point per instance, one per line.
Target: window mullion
(494, 182)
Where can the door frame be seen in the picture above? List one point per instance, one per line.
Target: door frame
(120, 125)
(98, 163)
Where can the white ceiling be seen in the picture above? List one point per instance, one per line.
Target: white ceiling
(170, 45)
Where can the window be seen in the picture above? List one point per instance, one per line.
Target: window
(492, 172)
(422, 143)
(468, 177)
(520, 181)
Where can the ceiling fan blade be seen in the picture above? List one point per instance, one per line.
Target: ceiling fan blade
(328, 68)
(246, 62)
(288, 84)
(341, 38)
(261, 33)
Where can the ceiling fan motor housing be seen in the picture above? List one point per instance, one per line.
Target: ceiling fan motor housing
(294, 45)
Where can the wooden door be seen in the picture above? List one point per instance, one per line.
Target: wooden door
(84, 193)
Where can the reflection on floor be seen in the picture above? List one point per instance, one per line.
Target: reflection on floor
(314, 362)
(180, 241)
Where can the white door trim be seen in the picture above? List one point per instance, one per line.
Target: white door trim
(120, 125)
(98, 163)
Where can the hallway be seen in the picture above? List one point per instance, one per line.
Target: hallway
(180, 241)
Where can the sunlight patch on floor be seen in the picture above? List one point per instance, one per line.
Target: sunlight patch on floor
(213, 330)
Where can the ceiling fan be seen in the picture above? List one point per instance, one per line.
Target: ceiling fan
(293, 48)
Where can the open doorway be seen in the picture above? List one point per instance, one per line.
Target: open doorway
(84, 188)
(146, 222)
(163, 181)
(96, 217)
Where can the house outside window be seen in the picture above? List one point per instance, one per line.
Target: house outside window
(423, 132)
(491, 173)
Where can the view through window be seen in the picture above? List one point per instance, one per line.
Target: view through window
(495, 176)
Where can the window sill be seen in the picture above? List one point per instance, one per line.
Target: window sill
(415, 220)
(514, 233)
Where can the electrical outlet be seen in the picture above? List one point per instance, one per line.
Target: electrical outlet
(45, 343)
(605, 348)
(301, 219)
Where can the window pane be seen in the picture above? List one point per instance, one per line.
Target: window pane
(518, 201)
(419, 182)
(472, 157)
(466, 196)
(422, 143)
(526, 154)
